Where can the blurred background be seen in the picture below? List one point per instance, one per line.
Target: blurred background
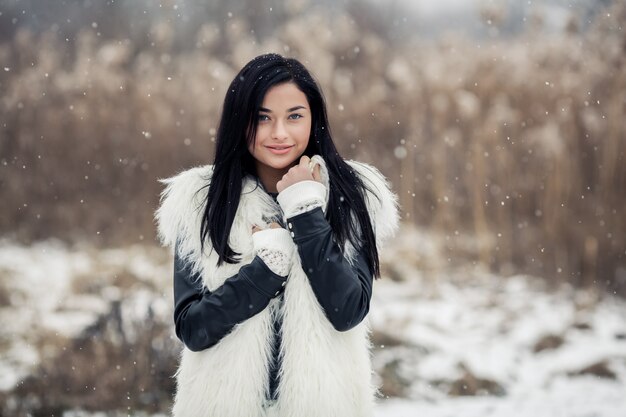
(500, 124)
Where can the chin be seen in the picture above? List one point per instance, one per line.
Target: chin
(282, 162)
(283, 165)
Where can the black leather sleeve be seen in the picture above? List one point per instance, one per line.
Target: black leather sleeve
(203, 318)
(343, 290)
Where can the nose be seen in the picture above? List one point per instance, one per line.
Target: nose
(278, 131)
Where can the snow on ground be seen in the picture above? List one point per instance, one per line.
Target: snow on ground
(529, 350)
(490, 327)
(53, 291)
(439, 333)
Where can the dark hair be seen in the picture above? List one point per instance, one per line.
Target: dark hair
(346, 213)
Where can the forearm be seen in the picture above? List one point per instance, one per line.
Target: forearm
(203, 318)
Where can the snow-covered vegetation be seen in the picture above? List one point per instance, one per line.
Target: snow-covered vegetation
(87, 330)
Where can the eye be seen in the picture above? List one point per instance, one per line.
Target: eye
(263, 117)
(295, 116)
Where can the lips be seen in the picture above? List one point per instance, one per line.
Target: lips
(279, 149)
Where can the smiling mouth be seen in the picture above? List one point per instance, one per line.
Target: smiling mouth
(280, 149)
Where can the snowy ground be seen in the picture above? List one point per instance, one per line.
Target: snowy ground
(448, 342)
(490, 330)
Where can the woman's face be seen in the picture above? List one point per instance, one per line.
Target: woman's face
(283, 130)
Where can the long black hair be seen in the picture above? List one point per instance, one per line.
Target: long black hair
(346, 212)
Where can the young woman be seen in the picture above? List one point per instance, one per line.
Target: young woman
(276, 247)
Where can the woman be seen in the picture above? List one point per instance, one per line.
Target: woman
(276, 247)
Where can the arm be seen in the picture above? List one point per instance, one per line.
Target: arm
(343, 290)
(203, 317)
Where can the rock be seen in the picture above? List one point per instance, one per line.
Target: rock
(548, 342)
(581, 325)
(470, 384)
(600, 369)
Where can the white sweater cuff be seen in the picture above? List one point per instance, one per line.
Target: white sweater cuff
(275, 247)
(300, 194)
(277, 239)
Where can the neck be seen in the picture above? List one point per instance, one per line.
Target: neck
(269, 177)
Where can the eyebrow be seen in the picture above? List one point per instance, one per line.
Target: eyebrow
(263, 109)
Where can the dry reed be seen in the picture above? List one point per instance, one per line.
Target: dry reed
(519, 142)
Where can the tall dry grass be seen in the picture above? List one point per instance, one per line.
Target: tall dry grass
(518, 142)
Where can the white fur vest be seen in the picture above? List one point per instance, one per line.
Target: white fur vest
(324, 373)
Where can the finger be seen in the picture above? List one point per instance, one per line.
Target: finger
(304, 160)
(256, 228)
(317, 176)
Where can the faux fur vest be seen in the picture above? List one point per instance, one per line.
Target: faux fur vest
(324, 373)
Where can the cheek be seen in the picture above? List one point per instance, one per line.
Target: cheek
(304, 132)
(257, 141)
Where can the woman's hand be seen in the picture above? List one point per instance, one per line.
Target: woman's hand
(300, 172)
(275, 246)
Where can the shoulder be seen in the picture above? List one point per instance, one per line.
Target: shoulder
(189, 178)
(181, 202)
(381, 201)
(377, 185)
(370, 174)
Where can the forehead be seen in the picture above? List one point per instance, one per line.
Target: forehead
(284, 95)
